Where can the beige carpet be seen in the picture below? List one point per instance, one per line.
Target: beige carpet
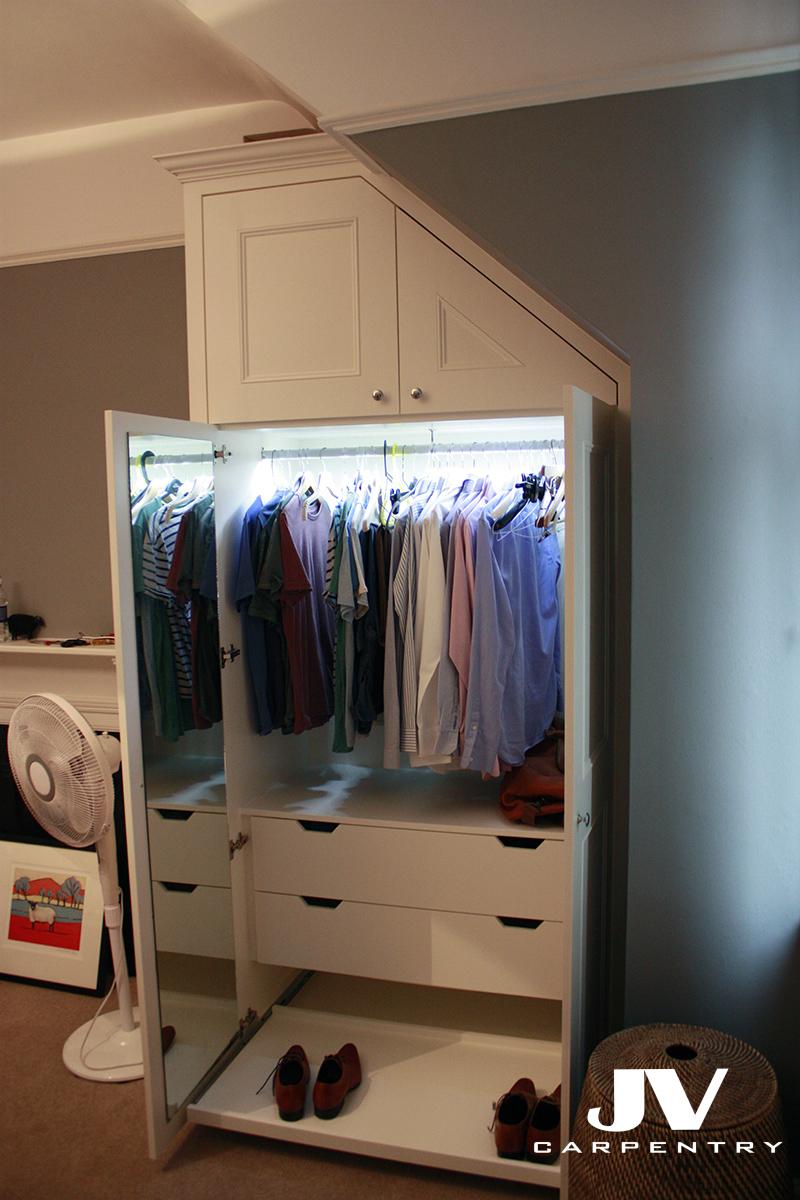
(77, 1140)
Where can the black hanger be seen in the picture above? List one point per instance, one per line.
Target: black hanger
(530, 491)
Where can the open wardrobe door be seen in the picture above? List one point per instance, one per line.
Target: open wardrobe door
(161, 471)
(588, 562)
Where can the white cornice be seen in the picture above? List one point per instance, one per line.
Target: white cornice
(704, 70)
(315, 150)
(60, 253)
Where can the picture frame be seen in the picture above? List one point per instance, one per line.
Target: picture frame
(51, 913)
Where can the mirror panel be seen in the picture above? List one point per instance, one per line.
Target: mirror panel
(176, 599)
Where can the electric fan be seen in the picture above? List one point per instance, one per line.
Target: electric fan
(63, 770)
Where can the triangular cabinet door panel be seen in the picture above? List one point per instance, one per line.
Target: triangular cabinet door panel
(467, 346)
(300, 302)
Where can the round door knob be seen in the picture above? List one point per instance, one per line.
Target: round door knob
(416, 393)
(377, 394)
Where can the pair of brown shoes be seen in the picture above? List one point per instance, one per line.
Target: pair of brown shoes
(339, 1074)
(525, 1127)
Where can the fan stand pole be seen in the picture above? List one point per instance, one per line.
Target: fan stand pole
(109, 885)
(109, 1049)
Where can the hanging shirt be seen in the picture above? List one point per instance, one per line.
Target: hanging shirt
(428, 632)
(393, 657)
(256, 631)
(513, 682)
(266, 605)
(307, 620)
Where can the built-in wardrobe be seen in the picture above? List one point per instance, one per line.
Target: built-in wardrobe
(285, 893)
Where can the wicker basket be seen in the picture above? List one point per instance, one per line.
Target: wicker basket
(745, 1109)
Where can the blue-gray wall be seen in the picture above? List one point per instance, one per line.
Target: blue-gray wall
(670, 220)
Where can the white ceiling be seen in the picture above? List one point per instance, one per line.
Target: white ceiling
(365, 63)
(91, 90)
(360, 64)
(71, 63)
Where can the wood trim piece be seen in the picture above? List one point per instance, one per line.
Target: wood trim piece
(316, 150)
(60, 253)
(704, 70)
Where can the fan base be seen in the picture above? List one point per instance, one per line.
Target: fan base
(112, 1054)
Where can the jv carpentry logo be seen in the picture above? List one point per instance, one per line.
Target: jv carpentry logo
(628, 1110)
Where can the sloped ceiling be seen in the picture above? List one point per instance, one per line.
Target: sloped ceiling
(71, 63)
(361, 64)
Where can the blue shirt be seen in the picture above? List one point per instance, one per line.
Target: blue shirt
(513, 681)
(254, 630)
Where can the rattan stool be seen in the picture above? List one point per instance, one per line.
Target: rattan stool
(746, 1109)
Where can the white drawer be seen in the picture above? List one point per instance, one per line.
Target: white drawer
(456, 950)
(453, 872)
(193, 920)
(189, 847)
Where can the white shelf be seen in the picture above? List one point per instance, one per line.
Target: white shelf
(458, 801)
(426, 1095)
(40, 648)
(189, 782)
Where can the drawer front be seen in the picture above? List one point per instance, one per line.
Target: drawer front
(189, 847)
(456, 950)
(196, 921)
(452, 872)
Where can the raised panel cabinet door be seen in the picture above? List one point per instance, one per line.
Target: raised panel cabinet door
(301, 304)
(467, 346)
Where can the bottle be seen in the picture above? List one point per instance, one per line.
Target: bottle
(5, 633)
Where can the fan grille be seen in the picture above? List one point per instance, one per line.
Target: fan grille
(60, 771)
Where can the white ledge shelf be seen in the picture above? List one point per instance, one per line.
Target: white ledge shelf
(40, 648)
(456, 802)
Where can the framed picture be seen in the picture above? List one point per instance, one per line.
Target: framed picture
(51, 913)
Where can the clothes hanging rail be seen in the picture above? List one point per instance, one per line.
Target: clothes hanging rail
(421, 448)
(151, 459)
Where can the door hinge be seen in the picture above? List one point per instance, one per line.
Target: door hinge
(247, 1020)
(226, 656)
(222, 453)
(241, 841)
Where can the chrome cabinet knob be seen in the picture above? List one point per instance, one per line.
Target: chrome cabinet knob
(416, 393)
(377, 394)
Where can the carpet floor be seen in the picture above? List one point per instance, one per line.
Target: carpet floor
(79, 1140)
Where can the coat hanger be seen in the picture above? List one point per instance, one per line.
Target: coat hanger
(529, 486)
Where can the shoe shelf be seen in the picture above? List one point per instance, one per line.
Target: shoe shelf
(426, 1095)
(451, 802)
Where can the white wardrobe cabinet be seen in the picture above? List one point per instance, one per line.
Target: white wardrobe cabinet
(315, 293)
(394, 908)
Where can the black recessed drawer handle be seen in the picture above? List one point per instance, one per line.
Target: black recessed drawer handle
(178, 887)
(319, 826)
(519, 922)
(174, 814)
(520, 843)
(320, 902)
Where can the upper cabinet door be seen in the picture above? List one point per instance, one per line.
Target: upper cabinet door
(467, 346)
(301, 304)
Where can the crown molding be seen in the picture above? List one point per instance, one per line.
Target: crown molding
(60, 253)
(316, 150)
(705, 70)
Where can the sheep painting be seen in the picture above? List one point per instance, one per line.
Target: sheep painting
(47, 910)
(40, 912)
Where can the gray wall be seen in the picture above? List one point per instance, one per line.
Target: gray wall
(77, 337)
(671, 221)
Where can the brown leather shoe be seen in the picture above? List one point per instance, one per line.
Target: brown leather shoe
(339, 1074)
(544, 1131)
(512, 1113)
(290, 1077)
